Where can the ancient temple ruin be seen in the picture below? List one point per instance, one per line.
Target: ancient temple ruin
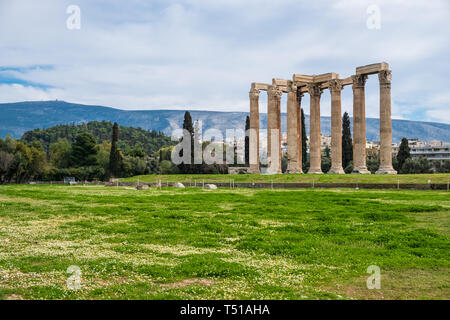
(314, 85)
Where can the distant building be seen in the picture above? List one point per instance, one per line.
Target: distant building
(372, 150)
(432, 151)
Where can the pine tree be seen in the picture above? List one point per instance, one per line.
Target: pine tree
(403, 154)
(115, 157)
(247, 141)
(84, 150)
(347, 143)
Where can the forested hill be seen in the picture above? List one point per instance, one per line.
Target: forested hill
(150, 141)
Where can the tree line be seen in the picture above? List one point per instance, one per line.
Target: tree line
(90, 151)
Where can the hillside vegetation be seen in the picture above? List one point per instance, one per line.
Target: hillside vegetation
(149, 140)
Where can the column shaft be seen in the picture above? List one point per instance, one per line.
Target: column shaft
(359, 125)
(335, 87)
(299, 130)
(254, 131)
(385, 124)
(274, 130)
(315, 148)
(292, 132)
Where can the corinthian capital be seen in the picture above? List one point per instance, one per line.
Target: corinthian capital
(314, 89)
(335, 85)
(254, 93)
(274, 92)
(359, 80)
(385, 76)
(293, 88)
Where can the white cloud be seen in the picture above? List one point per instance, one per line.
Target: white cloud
(18, 92)
(204, 54)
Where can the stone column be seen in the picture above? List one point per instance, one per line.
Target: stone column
(274, 130)
(385, 124)
(359, 125)
(299, 130)
(254, 131)
(315, 148)
(335, 87)
(292, 132)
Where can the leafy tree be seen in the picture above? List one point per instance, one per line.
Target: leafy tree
(446, 166)
(84, 150)
(6, 160)
(167, 167)
(373, 164)
(137, 151)
(395, 164)
(38, 163)
(37, 144)
(349, 167)
(20, 169)
(403, 154)
(153, 166)
(115, 157)
(326, 164)
(104, 152)
(420, 165)
(326, 160)
(59, 153)
(443, 167)
(247, 141)
(347, 143)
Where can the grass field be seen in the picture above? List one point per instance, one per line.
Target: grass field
(301, 178)
(222, 244)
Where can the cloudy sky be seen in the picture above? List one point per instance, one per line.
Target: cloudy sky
(203, 54)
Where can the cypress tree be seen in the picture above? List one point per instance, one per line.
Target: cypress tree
(247, 141)
(304, 139)
(187, 125)
(115, 158)
(347, 143)
(403, 154)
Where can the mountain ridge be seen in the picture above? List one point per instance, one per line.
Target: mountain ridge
(18, 117)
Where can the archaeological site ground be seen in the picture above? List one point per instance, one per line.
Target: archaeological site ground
(192, 243)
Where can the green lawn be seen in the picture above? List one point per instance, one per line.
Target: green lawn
(222, 244)
(302, 178)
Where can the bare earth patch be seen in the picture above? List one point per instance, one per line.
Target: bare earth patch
(399, 284)
(188, 282)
